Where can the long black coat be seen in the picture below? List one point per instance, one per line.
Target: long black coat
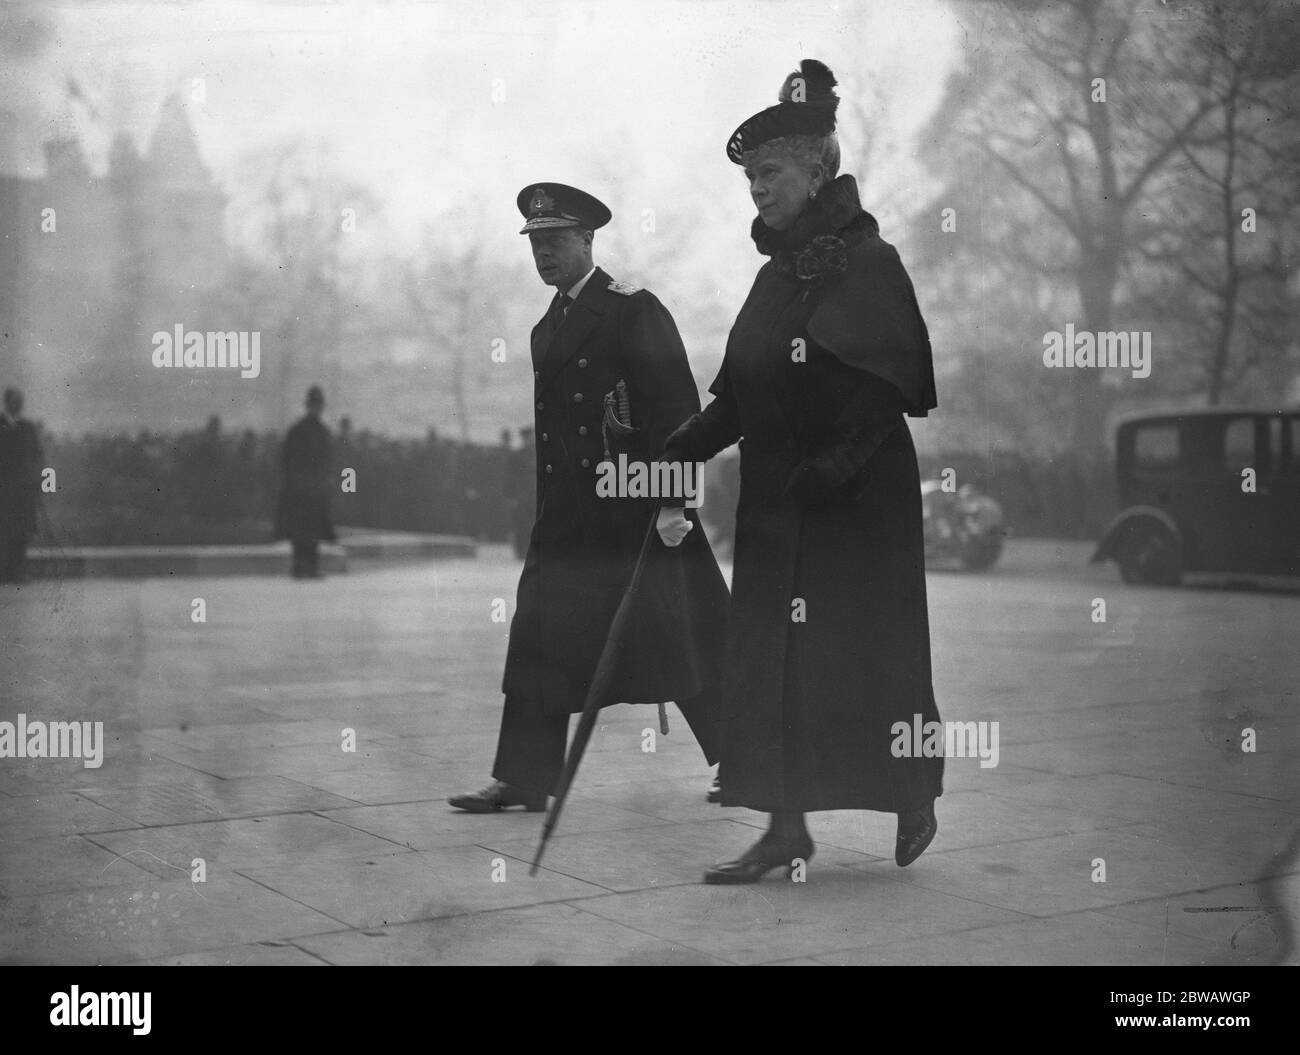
(582, 546)
(828, 640)
(303, 511)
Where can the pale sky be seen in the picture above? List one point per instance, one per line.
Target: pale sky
(632, 100)
(444, 111)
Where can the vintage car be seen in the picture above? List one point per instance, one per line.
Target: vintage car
(961, 525)
(1210, 490)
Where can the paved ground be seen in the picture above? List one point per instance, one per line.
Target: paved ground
(1119, 741)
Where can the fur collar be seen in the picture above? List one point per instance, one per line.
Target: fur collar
(816, 243)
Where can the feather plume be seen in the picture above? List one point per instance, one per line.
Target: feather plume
(818, 84)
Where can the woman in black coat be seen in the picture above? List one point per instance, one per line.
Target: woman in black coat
(828, 643)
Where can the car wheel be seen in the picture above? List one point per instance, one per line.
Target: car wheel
(1149, 556)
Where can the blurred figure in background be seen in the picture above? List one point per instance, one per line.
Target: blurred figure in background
(303, 513)
(20, 482)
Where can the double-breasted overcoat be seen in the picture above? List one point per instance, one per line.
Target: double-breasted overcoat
(583, 545)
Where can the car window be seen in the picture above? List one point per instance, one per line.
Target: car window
(1239, 445)
(1274, 456)
(1156, 447)
(1290, 462)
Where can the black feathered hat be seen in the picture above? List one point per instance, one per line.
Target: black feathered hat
(807, 108)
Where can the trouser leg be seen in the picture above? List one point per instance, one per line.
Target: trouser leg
(530, 746)
(531, 743)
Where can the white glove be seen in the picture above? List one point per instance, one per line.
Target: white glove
(672, 525)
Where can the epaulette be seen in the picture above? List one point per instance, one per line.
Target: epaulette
(626, 288)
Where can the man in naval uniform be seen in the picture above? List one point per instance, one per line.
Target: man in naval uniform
(596, 334)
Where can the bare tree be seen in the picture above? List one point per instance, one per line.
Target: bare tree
(471, 307)
(439, 290)
(289, 217)
(1068, 112)
(1231, 200)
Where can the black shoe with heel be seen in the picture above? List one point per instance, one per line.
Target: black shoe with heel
(766, 854)
(916, 831)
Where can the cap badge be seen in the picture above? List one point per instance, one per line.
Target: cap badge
(541, 202)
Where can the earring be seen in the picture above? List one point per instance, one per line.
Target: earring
(812, 193)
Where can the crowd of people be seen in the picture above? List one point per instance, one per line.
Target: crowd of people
(212, 485)
(215, 486)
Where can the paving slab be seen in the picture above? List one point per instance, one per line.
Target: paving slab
(1055, 875)
(541, 935)
(60, 813)
(431, 824)
(642, 858)
(401, 888)
(837, 908)
(254, 954)
(210, 798)
(274, 732)
(966, 819)
(126, 764)
(1244, 923)
(1083, 937)
(147, 918)
(64, 863)
(223, 741)
(251, 842)
(1133, 797)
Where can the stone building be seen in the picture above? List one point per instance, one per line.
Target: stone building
(92, 264)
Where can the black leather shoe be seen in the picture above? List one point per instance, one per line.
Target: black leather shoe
(915, 832)
(498, 796)
(760, 859)
(715, 791)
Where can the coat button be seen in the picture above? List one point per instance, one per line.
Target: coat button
(582, 365)
(582, 430)
(541, 405)
(537, 374)
(585, 463)
(545, 438)
(577, 397)
(549, 469)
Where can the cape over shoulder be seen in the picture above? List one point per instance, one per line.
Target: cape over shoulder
(868, 317)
